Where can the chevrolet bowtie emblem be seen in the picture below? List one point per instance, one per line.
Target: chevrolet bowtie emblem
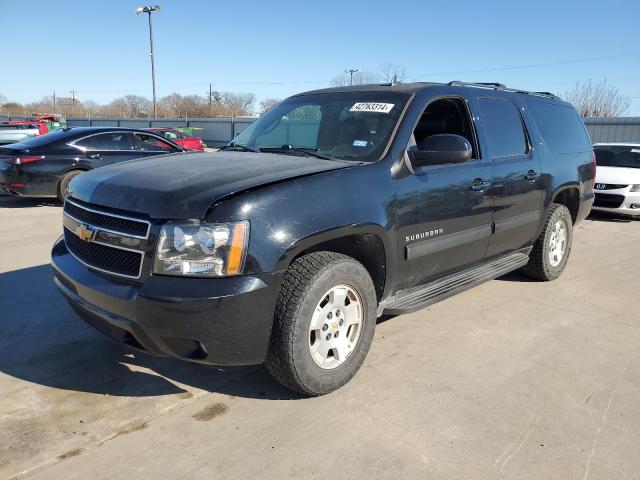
(85, 233)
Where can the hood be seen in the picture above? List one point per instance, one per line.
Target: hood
(185, 185)
(618, 175)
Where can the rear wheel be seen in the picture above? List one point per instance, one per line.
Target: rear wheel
(551, 251)
(324, 323)
(63, 185)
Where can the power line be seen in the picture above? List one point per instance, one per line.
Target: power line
(531, 65)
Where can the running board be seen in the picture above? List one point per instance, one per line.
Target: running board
(407, 301)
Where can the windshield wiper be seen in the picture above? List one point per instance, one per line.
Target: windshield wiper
(310, 151)
(237, 145)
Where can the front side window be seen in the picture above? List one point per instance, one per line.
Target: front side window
(343, 125)
(503, 127)
(617, 156)
(149, 143)
(106, 142)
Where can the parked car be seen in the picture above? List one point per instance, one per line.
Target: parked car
(333, 208)
(618, 178)
(17, 132)
(188, 142)
(42, 126)
(44, 166)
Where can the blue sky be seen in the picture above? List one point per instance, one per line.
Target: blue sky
(277, 48)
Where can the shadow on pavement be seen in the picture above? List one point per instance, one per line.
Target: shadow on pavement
(598, 216)
(11, 201)
(44, 342)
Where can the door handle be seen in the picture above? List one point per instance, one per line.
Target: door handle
(532, 175)
(479, 184)
(95, 156)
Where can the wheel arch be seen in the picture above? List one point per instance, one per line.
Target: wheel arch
(569, 196)
(368, 244)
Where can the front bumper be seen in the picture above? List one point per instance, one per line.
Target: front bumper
(629, 202)
(220, 321)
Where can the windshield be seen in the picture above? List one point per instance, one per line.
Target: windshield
(617, 156)
(344, 125)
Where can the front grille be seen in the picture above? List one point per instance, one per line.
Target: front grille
(608, 201)
(102, 257)
(107, 221)
(609, 186)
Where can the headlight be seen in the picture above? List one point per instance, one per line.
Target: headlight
(208, 250)
(635, 188)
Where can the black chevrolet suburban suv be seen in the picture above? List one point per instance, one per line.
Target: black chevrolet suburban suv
(335, 207)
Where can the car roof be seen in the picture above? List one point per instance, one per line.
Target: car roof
(617, 144)
(82, 130)
(415, 87)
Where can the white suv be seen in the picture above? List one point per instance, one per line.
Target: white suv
(617, 185)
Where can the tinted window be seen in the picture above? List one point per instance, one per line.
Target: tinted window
(503, 127)
(561, 127)
(149, 143)
(617, 156)
(106, 141)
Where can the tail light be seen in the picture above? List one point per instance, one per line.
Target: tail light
(24, 159)
(595, 166)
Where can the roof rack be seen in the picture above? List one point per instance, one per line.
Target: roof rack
(499, 86)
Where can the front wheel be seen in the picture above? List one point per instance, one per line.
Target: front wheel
(551, 251)
(324, 323)
(63, 185)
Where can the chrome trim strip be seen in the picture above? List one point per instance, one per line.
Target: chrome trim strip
(88, 265)
(124, 234)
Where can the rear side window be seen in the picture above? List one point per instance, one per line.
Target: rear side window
(503, 127)
(561, 127)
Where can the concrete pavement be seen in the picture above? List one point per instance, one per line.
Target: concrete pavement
(514, 379)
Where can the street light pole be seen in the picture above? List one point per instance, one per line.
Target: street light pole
(350, 72)
(148, 10)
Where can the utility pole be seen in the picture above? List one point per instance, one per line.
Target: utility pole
(149, 10)
(54, 102)
(73, 103)
(210, 99)
(350, 72)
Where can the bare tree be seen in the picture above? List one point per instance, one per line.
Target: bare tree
(391, 72)
(268, 103)
(237, 104)
(597, 99)
(13, 108)
(3, 99)
(359, 78)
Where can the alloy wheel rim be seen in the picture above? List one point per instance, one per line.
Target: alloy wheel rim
(557, 243)
(335, 327)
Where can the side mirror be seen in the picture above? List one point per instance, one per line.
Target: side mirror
(441, 149)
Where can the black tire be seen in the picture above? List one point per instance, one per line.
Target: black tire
(305, 283)
(540, 266)
(64, 183)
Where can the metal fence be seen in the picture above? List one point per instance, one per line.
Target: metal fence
(218, 131)
(213, 131)
(610, 130)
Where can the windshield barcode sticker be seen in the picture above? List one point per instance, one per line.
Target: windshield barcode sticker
(372, 107)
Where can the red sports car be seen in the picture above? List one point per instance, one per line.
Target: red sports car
(176, 136)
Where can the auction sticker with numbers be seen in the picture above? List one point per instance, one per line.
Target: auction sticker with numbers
(372, 107)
